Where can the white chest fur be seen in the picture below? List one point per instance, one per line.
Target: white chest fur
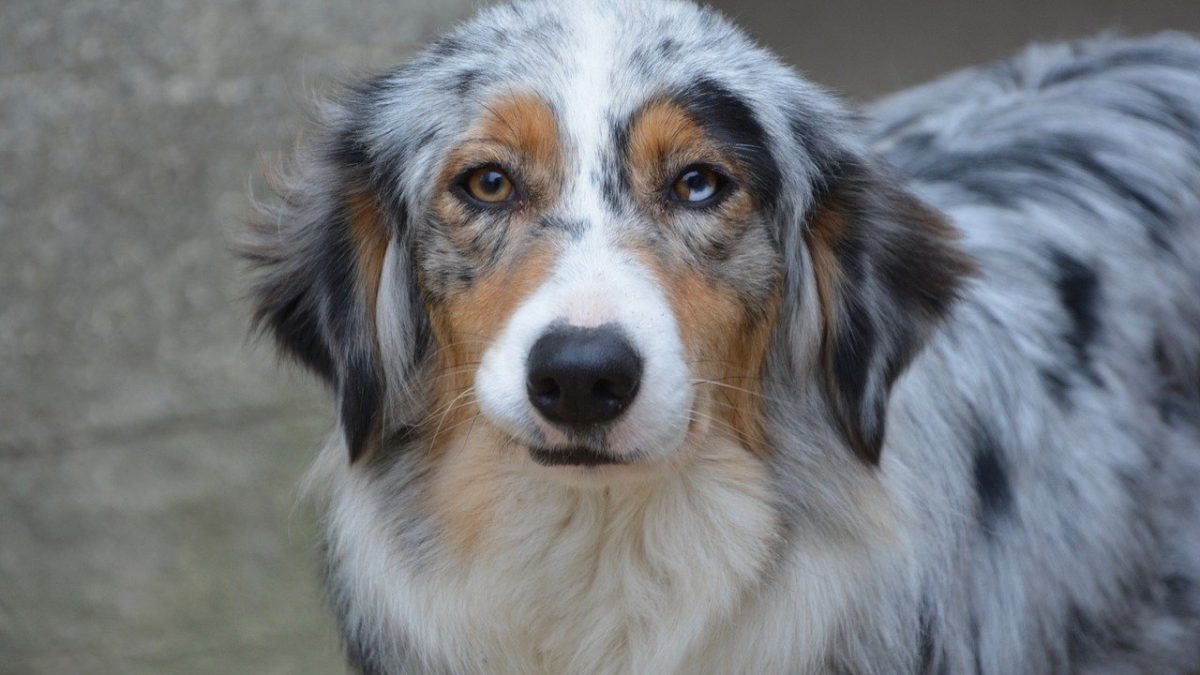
(627, 579)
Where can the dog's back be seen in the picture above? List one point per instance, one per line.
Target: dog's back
(1072, 366)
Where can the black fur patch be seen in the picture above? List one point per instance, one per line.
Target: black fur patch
(1083, 633)
(297, 304)
(932, 660)
(1045, 167)
(573, 228)
(1177, 396)
(348, 150)
(889, 235)
(668, 48)
(644, 61)
(465, 81)
(1179, 592)
(360, 398)
(991, 478)
(425, 139)
(616, 182)
(1078, 289)
(447, 46)
(915, 143)
(1056, 385)
(292, 320)
(730, 121)
(1165, 401)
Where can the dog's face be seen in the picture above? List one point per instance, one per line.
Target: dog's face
(607, 279)
(588, 239)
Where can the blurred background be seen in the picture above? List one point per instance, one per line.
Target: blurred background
(149, 450)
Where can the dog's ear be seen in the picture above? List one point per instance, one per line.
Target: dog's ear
(323, 257)
(887, 269)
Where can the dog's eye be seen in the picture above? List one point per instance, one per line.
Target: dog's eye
(697, 185)
(489, 185)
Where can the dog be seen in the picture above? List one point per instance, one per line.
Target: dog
(652, 357)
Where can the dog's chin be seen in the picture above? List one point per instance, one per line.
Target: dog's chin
(595, 459)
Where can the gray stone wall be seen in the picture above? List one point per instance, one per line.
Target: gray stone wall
(148, 450)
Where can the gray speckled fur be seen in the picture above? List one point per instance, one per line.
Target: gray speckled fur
(1048, 433)
(1087, 152)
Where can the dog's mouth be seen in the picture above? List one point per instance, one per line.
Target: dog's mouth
(573, 456)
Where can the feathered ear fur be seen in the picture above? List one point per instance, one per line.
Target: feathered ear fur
(320, 256)
(887, 270)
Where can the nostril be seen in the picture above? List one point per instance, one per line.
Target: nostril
(603, 389)
(612, 389)
(543, 386)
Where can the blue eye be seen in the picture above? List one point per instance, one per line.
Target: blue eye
(697, 185)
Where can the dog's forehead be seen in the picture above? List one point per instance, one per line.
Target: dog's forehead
(592, 64)
(589, 61)
(541, 37)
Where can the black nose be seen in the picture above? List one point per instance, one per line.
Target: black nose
(582, 376)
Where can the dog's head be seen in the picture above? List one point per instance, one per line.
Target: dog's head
(588, 235)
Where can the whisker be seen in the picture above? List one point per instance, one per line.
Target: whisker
(734, 377)
(465, 392)
(454, 370)
(447, 407)
(451, 427)
(697, 416)
(467, 439)
(458, 343)
(744, 390)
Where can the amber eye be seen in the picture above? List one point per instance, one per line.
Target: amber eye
(488, 184)
(697, 185)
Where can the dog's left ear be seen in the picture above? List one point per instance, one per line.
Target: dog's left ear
(324, 258)
(887, 269)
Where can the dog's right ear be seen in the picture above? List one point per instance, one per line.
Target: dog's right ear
(887, 268)
(324, 256)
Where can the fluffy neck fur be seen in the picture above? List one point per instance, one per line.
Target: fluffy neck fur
(626, 578)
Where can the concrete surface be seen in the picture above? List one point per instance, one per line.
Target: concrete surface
(148, 451)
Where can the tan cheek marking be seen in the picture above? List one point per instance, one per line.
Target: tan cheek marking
(483, 309)
(465, 324)
(466, 458)
(725, 344)
(521, 127)
(467, 484)
(518, 132)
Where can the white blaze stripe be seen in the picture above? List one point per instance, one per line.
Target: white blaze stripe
(583, 115)
(594, 283)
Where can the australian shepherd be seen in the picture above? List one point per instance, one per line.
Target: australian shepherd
(650, 357)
